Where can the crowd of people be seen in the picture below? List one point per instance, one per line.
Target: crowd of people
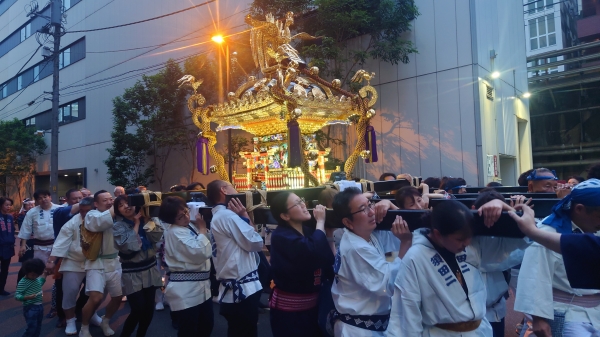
(440, 280)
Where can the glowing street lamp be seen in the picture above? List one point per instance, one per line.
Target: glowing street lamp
(218, 39)
(526, 94)
(495, 74)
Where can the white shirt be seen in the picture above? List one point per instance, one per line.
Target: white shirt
(541, 271)
(68, 246)
(234, 251)
(427, 291)
(38, 224)
(97, 221)
(364, 282)
(186, 251)
(496, 286)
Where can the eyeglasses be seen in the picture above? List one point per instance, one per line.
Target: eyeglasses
(364, 210)
(298, 203)
(186, 212)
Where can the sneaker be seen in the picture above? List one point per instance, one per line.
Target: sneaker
(159, 306)
(4, 293)
(85, 331)
(106, 327)
(96, 320)
(71, 328)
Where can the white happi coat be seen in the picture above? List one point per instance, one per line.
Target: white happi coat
(97, 221)
(543, 270)
(38, 224)
(364, 282)
(186, 252)
(427, 292)
(236, 244)
(68, 246)
(387, 240)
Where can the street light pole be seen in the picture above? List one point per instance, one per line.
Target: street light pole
(230, 145)
(56, 18)
(218, 39)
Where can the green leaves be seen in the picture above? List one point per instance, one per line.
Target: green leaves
(380, 23)
(20, 147)
(149, 123)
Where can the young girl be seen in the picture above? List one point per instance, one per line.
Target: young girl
(439, 290)
(301, 258)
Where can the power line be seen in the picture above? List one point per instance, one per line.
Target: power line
(142, 21)
(32, 55)
(137, 48)
(26, 105)
(20, 92)
(148, 51)
(119, 80)
(92, 13)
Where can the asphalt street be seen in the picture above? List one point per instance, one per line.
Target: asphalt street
(12, 323)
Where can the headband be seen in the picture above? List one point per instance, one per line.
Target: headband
(586, 193)
(533, 176)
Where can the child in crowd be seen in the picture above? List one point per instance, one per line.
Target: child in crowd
(29, 291)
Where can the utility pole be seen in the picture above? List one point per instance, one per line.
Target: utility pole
(55, 21)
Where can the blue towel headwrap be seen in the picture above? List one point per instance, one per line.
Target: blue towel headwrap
(533, 176)
(586, 193)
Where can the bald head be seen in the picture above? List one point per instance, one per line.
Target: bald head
(216, 191)
(119, 190)
(85, 192)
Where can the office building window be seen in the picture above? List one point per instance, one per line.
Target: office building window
(70, 112)
(64, 58)
(25, 32)
(539, 5)
(542, 32)
(68, 56)
(30, 121)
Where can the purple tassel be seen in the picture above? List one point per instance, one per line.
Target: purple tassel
(202, 155)
(371, 140)
(294, 144)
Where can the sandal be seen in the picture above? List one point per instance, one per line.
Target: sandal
(51, 314)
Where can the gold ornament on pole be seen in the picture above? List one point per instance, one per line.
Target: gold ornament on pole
(290, 98)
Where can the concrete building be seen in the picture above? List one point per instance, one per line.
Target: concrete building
(564, 83)
(549, 25)
(96, 66)
(440, 114)
(443, 114)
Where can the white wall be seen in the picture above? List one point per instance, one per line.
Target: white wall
(429, 109)
(84, 143)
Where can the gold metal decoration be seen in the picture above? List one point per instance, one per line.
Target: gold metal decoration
(289, 90)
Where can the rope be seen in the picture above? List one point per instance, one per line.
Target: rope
(250, 207)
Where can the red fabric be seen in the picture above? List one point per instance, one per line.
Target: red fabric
(290, 302)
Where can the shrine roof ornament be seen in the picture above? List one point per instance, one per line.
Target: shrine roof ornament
(289, 95)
